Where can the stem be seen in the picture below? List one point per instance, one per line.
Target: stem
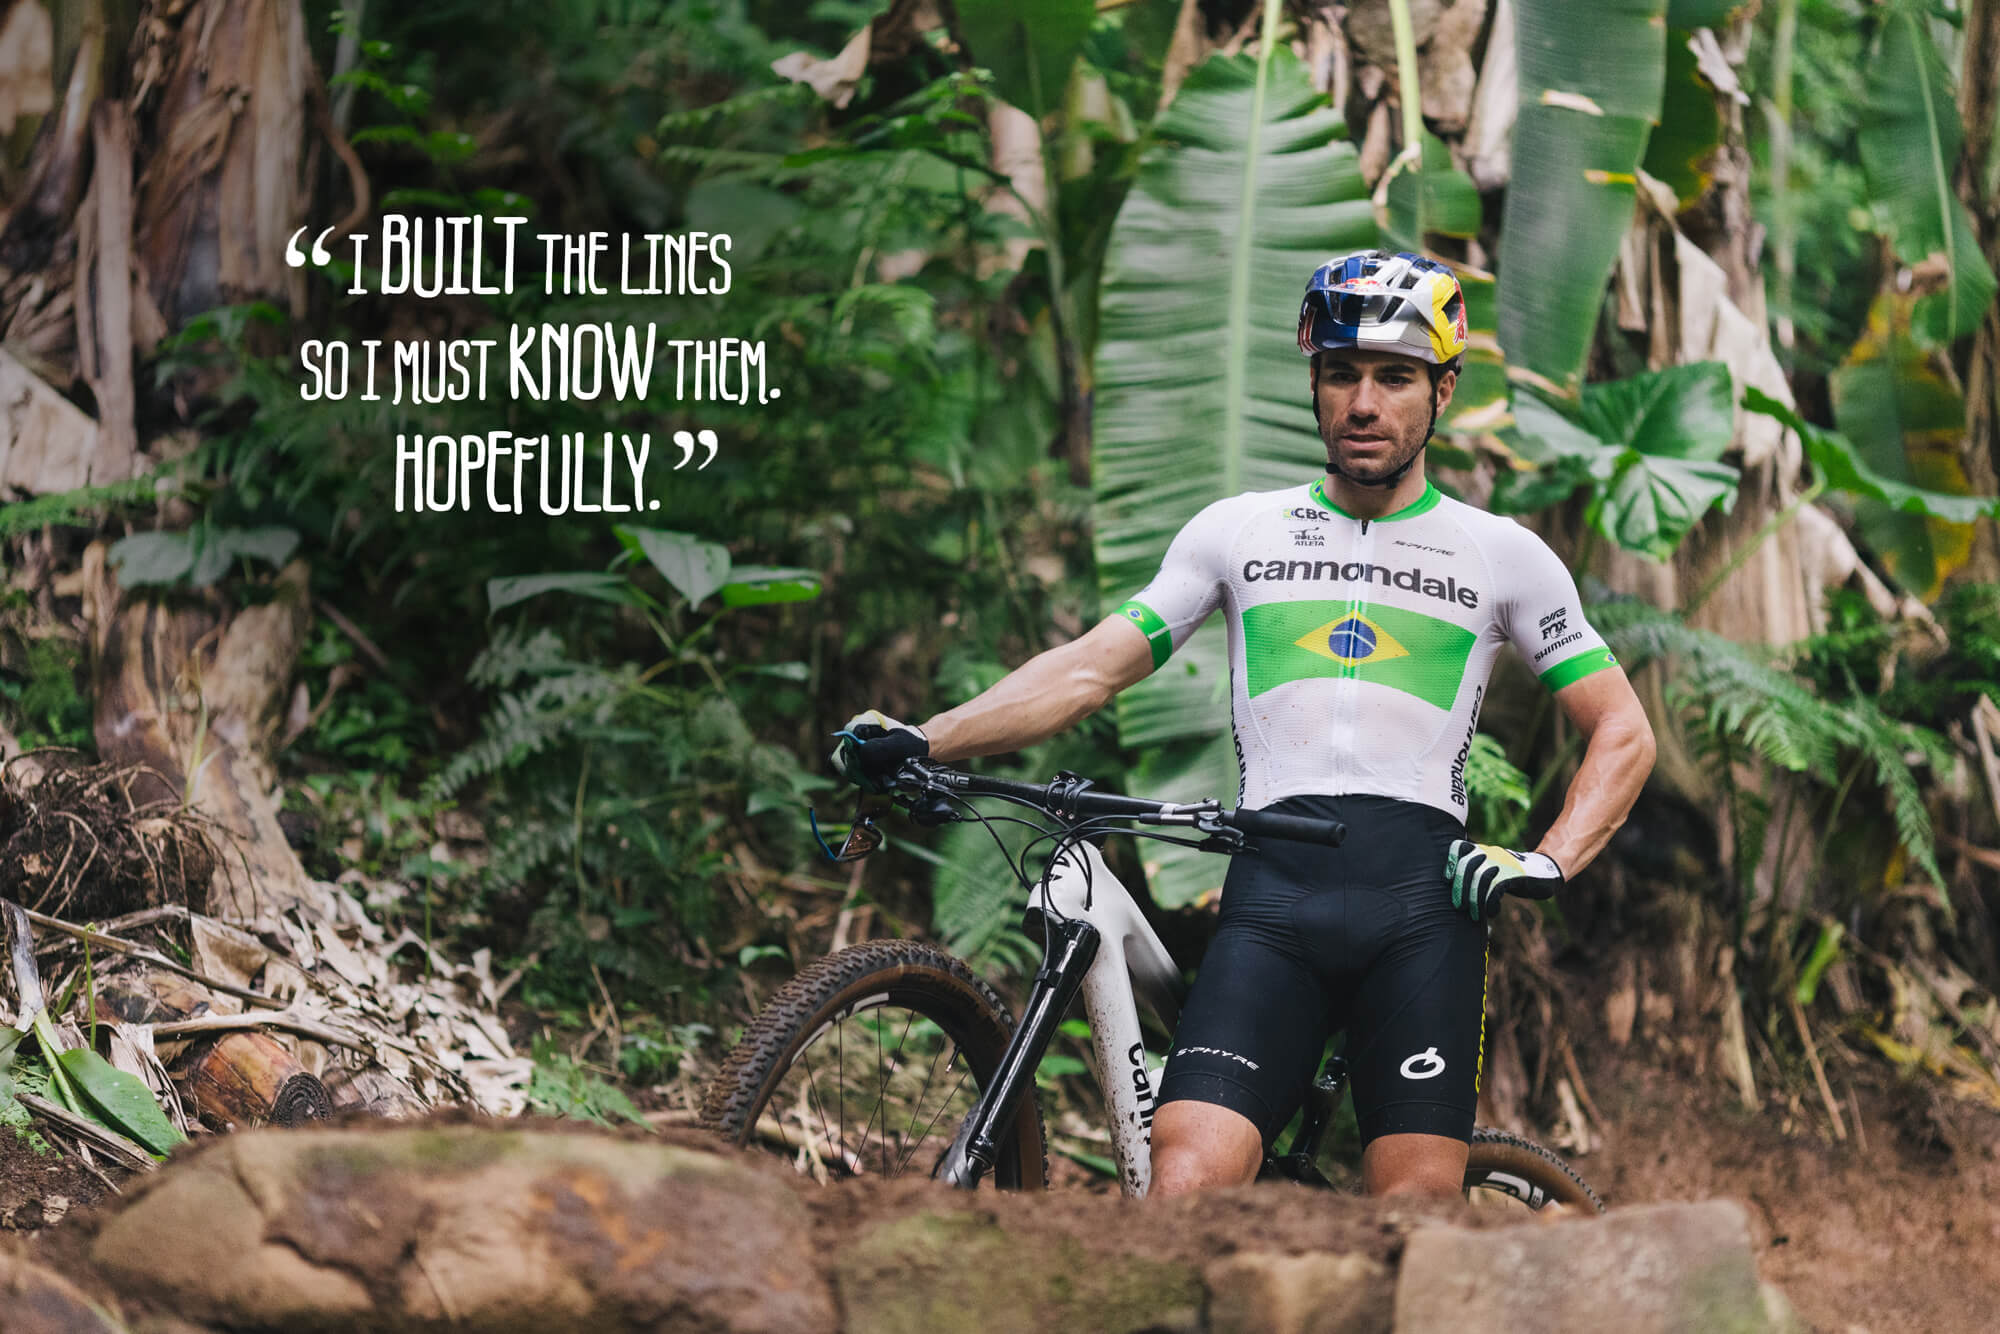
(1062, 319)
(1833, 814)
(1779, 112)
(1236, 375)
(1411, 94)
(1749, 549)
(90, 990)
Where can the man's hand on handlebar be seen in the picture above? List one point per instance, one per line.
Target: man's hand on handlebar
(873, 748)
(1481, 874)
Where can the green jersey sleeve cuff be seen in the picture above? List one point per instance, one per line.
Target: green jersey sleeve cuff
(1157, 635)
(1571, 670)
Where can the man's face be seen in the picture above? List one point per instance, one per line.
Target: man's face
(1374, 409)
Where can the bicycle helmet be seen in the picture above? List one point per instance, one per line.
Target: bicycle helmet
(1380, 302)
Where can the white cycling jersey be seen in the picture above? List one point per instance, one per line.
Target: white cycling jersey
(1360, 649)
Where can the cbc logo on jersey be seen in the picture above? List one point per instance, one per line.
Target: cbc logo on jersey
(1426, 1064)
(1307, 512)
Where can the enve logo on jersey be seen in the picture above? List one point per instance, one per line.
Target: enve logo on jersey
(1352, 639)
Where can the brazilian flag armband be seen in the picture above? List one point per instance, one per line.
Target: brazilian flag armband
(1571, 670)
(1158, 636)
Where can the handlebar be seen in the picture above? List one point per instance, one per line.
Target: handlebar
(1071, 798)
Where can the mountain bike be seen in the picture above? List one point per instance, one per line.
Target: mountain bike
(893, 1057)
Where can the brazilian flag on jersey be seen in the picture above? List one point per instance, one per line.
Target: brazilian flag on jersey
(1404, 650)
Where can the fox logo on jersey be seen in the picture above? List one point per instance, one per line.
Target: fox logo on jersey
(1350, 639)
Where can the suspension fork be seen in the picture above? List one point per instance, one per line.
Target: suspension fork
(976, 1147)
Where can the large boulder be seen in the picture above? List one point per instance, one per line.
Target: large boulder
(968, 1273)
(466, 1227)
(36, 1301)
(1650, 1269)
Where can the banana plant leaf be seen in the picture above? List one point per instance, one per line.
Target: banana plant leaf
(1905, 419)
(1703, 13)
(1450, 200)
(1841, 466)
(1648, 447)
(1479, 402)
(1201, 391)
(1910, 139)
(1029, 45)
(1682, 148)
(1589, 95)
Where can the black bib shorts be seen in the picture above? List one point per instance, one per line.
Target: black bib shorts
(1363, 937)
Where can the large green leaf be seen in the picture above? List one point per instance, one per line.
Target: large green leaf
(1841, 465)
(1029, 45)
(1910, 140)
(1682, 412)
(119, 1100)
(1905, 419)
(695, 568)
(1201, 391)
(1648, 448)
(1589, 94)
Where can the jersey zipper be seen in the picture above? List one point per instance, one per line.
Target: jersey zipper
(1341, 735)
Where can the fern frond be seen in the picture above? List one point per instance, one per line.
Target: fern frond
(515, 653)
(1886, 742)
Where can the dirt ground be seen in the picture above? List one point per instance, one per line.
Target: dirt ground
(1900, 1234)
(37, 1190)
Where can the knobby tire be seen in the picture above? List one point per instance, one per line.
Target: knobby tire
(913, 976)
(1527, 1171)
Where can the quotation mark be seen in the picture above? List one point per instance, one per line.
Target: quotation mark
(296, 258)
(687, 440)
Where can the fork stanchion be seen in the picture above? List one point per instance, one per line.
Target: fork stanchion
(976, 1149)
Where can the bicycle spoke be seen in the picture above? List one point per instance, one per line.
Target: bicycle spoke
(882, 1091)
(917, 1108)
(819, 1103)
(912, 1152)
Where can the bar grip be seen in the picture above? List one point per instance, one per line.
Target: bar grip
(1298, 828)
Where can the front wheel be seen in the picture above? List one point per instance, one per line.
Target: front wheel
(866, 1063)
(1521, 1173)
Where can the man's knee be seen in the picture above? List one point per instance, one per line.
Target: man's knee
(1410, 1164)
(1198, 1146)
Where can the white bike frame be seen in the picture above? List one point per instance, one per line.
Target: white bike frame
(1132, 968)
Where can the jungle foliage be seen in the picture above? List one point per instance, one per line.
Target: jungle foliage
(998, 407)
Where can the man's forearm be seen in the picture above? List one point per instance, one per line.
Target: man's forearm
(1614, 769)
(1041, 697)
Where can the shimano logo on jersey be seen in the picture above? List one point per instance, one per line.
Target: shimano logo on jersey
(1419, 546)
(1410, 581)
(1465, 750)
(1566, 639)
(1307, 512)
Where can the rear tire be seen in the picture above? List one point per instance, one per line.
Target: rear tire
(1525, 1171)
(921, 1029)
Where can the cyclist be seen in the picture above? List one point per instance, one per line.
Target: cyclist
(1364, 610)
